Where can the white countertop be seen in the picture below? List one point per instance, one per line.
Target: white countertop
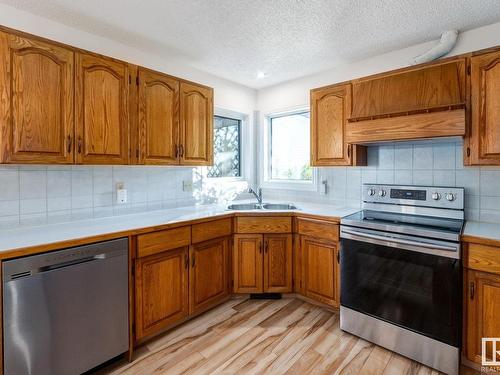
(23, 237)
(484, 230)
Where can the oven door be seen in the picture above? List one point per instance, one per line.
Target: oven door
(401, 281)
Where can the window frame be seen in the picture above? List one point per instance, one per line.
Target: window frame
(245, 158)
(240, 155)
(265, 170)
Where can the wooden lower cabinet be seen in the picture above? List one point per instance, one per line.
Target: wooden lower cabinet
(483, 309)
(208, 275)
(247, 263)
(161, 291)
(320, 272)
(262, 263)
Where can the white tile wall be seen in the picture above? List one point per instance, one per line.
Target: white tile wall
(434, 163)
(31, 195)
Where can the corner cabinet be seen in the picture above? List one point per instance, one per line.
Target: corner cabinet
(101, 100)
(484, 137)
(196, 124)
(330, 108)
(36, 109)
(262, 263)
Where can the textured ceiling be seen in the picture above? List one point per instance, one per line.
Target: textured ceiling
(285, 39)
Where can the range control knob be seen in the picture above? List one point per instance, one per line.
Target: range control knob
(450, 197)
(436, 196)
(371, 192)
(382, 193)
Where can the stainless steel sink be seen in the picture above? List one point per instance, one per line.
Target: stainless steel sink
(244, 206)
(264, 206)
(278, 206)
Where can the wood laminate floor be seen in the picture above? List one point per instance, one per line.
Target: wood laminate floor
(287, 336)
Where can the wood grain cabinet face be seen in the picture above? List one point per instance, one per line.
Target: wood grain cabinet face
(101, 100)
(278, 263)
(485, 106)
(330, 107)
(208, 276)
(158, 106)
(248, 263)
(36, 110)
(320, 270)
(483, 305)
(196, 124)
(161, 291)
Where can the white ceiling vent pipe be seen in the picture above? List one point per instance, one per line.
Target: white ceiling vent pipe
(445, 45)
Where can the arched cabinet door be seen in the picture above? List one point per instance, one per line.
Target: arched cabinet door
(485, 110)
(196, 124)
(330, 108)
(36, 101)
(158, 108)
(102, 119)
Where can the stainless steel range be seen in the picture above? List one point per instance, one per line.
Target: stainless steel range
(400, 266)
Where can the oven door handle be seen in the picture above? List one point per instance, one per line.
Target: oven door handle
(392, 240)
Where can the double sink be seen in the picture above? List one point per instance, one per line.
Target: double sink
(263, 206)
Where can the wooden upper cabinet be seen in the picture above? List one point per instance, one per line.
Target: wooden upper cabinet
(101, 100)
(36, 106)
(437, 85)
(196, 124)
(483, 304)
(484, 139)
(320, 275)
(247, 263)
(208, 276)
(161, 291)
(158, 116)
(278, 263)
(330, 107)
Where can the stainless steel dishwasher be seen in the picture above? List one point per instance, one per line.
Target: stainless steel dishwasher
(66, 312)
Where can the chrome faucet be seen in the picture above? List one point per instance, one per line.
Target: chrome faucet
(258, 194)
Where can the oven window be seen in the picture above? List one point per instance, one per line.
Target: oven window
(417, 291)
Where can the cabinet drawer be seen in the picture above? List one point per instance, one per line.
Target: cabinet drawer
(212, 229)
(264, 224)
(483, 258)
(156, 242)
(318, 229)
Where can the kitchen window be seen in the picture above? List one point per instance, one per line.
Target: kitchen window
(227, 148)
(286, 151)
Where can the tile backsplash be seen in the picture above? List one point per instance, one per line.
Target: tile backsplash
(31, 195)
(433, 163)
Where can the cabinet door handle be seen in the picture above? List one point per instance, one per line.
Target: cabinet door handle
(471, 290)
(266, 246)
(79, 144)
(468, 151)
(69, 143)
(176, 151)
(186, 261)
(193, 261)
(349, 151)
(181, 151)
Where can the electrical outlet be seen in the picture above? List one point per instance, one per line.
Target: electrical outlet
(121, 193)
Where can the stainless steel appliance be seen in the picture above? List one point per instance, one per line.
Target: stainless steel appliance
(65, 312)
(401, 272)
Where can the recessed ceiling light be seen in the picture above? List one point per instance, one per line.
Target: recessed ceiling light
(261, 74)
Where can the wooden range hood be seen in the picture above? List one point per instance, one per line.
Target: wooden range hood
(427, 101)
